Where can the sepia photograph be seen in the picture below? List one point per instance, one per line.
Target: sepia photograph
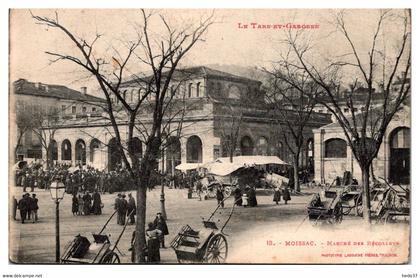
(209, 136)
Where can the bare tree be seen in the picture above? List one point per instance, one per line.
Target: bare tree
(161, 53)
(231, 123)
(43, 122)
(23, 123)
(372, 67)
(292, 98)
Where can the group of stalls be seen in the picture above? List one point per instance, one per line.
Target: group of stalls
(242, 171)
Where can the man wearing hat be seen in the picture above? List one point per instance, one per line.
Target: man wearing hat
(34, 208)
(131, 209)
(23, 207)
(122, 209)
(160, 224)
(117, 207)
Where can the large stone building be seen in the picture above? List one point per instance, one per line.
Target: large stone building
(67, 104)
(333, 156)
(213, 98)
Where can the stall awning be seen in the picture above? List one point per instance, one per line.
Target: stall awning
(253, 160)
(188, 166)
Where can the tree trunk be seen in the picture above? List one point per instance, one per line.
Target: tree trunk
(140, 232)
(296, 173)
(366, 192)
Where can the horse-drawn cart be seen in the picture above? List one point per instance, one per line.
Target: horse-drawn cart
(101, 251)
(206, 245)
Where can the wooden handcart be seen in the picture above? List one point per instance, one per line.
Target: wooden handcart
(101, 251)
(206, 245)
(326, 207)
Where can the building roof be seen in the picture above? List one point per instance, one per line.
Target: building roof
(25, 87)
(374, 114)
(200, 71)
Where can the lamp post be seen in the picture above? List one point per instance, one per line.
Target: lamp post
(57, 190)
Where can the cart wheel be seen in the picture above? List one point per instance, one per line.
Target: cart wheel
(209, 191)
(110, 258)
(338, 213)
(347, 210)
(359, 206)
(217, 250)
(228, 191)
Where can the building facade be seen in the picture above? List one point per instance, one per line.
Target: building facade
(213, 99)
(30, 98)
(333, 156)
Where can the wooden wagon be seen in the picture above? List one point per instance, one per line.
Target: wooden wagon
(100, 251)
(325, 207)
(205, 245)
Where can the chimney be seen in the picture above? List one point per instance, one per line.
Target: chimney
(83, 90)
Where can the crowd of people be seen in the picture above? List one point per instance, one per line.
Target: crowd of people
(86, 203)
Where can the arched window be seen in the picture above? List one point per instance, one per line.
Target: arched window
(66, 150)
(131, 95)
(198, 90)
(335, 148)
(399, 159)
(262, 146)
(94, 150)
(135, 147)
(114, 155)
(81, 151)
(194, 150)
(247, 146)
(190, 90)
(138, 95)
(401, 138)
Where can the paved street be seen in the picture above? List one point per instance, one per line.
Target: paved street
(248, 230)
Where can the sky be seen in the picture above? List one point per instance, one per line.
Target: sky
(225, 43)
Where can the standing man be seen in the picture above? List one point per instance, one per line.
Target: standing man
(97, 202)
(34, 208)
(123, 209)
(117, 207)
(277, 195)
(131, 208)
(220, 196)
(14, 207)
(23, 207)
(160, 224)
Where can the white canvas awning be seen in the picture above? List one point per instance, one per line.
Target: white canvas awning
(249, 160)
(222, 169)
(188, 166)
(276, 180)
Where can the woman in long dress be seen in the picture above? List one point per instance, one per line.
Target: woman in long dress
(75, 205)
(81, 204)
(153, 234)
(277, 196)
